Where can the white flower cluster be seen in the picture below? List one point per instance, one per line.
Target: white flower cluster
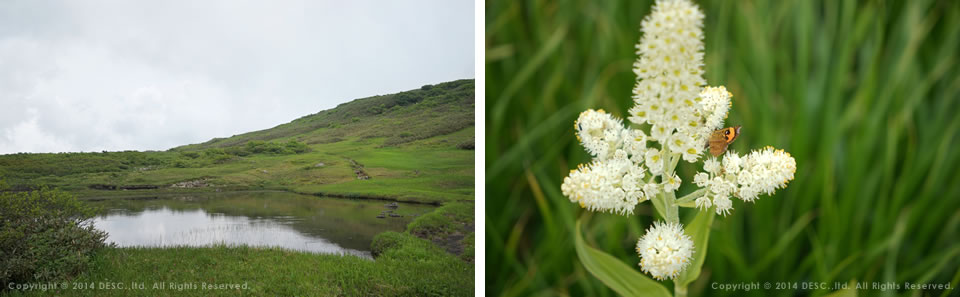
(613, 182)
(665, 250)
(613, 185)
(668, 96)
(670, 78)
(716, 100)
(760, 172)
(602, 135)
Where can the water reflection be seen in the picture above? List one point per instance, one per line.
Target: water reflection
(308, 223)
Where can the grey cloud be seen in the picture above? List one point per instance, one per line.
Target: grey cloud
(150, 75)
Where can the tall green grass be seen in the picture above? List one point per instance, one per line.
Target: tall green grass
(406, 266)
(864, 95)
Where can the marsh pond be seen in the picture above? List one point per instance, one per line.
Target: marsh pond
(276, 219)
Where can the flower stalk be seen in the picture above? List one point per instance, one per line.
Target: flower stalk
(679, 291)
(680, 114)
(689, 198)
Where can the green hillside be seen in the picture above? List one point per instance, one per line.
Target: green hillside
(412, 146)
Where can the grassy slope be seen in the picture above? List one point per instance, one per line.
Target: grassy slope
(407, 142)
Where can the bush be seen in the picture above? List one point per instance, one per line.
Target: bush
(217, 155)
(45, 235)
(220, 159)
(237, 151)
(213, 153)
(257, 146)
(378, 109)
(296, 147)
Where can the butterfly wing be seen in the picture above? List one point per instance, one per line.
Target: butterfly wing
(720, 139)
(717, 143)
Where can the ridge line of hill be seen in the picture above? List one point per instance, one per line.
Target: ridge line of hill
(413, 146)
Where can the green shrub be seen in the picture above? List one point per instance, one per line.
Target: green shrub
(237, 151)
(263, 147)
(296, 147)
(220, 159)
(378, 109)
(217, 155)
(256, 146)
(214, 152)
(45, 235)
(191, 155)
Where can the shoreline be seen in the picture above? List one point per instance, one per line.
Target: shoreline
(155, 194)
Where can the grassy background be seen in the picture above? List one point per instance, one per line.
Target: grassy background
(863, 94)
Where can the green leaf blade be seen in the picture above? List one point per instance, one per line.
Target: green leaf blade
(699, 231)
(620, 277)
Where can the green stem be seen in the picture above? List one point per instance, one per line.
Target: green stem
(689, 198)
(656, 200)
(659, 206)
(670, 198)
(679, 291)
(670, 203)
(674, 159)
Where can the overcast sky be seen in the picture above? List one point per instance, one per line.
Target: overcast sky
(151, 75)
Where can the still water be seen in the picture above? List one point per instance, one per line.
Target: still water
(277, 219)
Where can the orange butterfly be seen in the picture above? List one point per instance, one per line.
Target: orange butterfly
(720, 139)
